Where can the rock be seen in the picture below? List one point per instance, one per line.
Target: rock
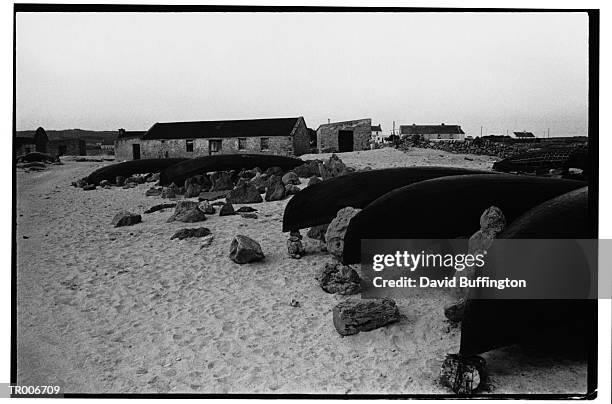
(89, 187)
(192, 190)
(464, 375)
(333, 167)
(492, 219)
(314, 180)
(334, 236)
(245, 192)
(275, 190)
(249, 215)
(352, 316)
(221, 181)
(188, 233)
(290, 178)
(153, 192)
(244, 250)
(227, 209)
(211, 195)
(188, 212)
(153, 177)
(260, 181)
(160, 207)
(294, 303)
(206, 208)
(129, 185)
(104, 183)
(274, 171)
(454, 312)
(308, 169)
(295, 247)
(80, 183)
(125, 219)
(340, 279)
(291, 189)
(119, 180)
(247, 174)
(245, 209)
(168, 192)
(318, 232)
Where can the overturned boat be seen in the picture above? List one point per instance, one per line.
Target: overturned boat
(127, 168)
(567, 326)
(178, 173)
(448, 207)
(319, 203)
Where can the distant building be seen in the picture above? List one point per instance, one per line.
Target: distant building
(67, 147)
(344, 136)
(31, 142)
(377, 134)
(433, 132)
(280, 136)
(524, 135)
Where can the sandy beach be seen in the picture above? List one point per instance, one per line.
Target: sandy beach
(127, 310)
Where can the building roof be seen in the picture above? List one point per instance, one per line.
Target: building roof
(431, 129)
(523, 134)
(222, 129)
(126, 134)
(376, 128)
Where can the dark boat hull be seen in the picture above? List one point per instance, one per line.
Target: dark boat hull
(319, 203)
(199, 165)
(127, 168)
(558, 325)
(448, 207)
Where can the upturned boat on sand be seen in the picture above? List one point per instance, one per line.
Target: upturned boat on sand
(319, 203)
(560, 325)
(178, 173)
(127, 168)
(447, 207)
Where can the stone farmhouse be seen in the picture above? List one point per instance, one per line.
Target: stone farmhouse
(344, 136)
(433, 132)
(280, 136)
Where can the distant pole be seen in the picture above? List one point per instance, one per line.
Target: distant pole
(328, 121)
(394, 127)
(548, 135)
(480, 130)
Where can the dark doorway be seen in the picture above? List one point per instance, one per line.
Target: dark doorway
(62, 149)
(345, 140)
(136, 151)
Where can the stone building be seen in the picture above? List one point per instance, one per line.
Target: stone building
(30, 142)
(280, 136)
(67, 147)
(433, 132)
(344, 136)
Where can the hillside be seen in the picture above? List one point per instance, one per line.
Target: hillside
(89, 136)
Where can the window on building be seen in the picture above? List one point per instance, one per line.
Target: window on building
(189, 145)
(214, 145)
(242, 143)
(265, 143)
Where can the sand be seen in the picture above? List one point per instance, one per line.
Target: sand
(127, 310)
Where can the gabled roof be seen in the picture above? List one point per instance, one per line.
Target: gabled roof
(431, 129)
(376, 128)
(222, 129)
(523, 134)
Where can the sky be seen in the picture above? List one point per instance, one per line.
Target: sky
(499, 71)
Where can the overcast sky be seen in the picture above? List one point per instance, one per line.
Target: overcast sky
(103, 71)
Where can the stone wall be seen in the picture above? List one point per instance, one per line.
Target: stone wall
(327, 135)
(67, 147)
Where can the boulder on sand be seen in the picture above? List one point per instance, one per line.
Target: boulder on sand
(244, 192)
(334, 235)
(275, 190)
(318, 232)
(126, 219)
(314, 180)
(119, 180)
(308, 169)
(260, 181)
(221, 181)
(188, 212)
(168, 192)
(227, 209)
(275, 171)
(291, 189)
(189, 233)
(333, 167)
(153, 192)
(291, 178)
(192, 190)
(244, 250)
(160, 207)
(464, 375)
(206, 207)
(245, 209)
(340, 279)
(211, 195)
(352, 316)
